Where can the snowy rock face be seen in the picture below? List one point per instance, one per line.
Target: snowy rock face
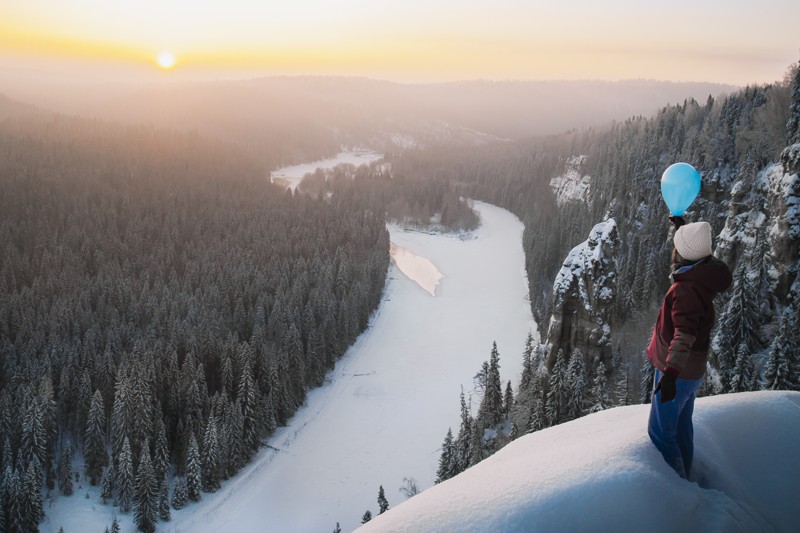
(583, 292)
(766, 211)
(571, 186)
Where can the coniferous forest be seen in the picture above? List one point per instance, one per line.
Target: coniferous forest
(162, 309)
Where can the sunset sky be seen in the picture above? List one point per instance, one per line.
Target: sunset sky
(731, 41)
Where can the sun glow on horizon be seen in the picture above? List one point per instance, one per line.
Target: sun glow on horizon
(165, 60)
(413, 41)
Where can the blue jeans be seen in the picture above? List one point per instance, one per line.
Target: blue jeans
(670, 425)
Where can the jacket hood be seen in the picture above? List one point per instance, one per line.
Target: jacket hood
(711, 273)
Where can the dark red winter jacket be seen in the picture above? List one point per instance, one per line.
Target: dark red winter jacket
(681, 337)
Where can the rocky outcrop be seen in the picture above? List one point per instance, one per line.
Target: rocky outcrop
(762, 227)
(583, 293)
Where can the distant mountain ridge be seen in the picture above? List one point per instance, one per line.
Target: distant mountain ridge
(312, 116)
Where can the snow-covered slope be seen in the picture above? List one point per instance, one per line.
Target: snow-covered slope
(601, 473)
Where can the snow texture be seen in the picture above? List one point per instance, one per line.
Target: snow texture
(294, 174)
(571, 186)
(386, 406)
(602, 473)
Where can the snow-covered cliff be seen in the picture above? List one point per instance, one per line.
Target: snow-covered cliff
(582, 295)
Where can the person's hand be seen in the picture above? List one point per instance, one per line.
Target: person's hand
(677, 222)
(667, 387)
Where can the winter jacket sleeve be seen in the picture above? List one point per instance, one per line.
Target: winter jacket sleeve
(687, 309)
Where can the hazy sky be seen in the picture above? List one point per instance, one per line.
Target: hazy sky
(731, 41)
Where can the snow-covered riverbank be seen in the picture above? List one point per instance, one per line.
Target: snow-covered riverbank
(386, 407)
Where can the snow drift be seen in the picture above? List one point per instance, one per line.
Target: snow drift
(601, 473)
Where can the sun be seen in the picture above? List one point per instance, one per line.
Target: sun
(166, 60)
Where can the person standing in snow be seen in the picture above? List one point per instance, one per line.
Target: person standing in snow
(679, 346)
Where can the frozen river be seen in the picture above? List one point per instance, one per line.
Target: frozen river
(385, 408)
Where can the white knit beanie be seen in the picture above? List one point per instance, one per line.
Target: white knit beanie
(693, 241)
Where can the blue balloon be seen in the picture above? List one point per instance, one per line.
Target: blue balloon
(680, 185)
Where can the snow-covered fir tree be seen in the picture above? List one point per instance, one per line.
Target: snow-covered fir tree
(783, 361)
(490, 412)
(65, 471)
(464, 437)
(210, 457)
(146, 503)
(741, 376)
(576, 386)
(94, 440)
(558, 391)
(447, 460)
(180, 494)
(161, 452)
(124, 477)
(599, 395)
(366, 517)
(508, 400)
(383, 503)
(107, 484)
(194, 471)
(163, 500)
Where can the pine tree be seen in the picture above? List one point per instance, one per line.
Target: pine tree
(446, 459)
(476, 445)
(163, 500)
(107, 484)
(527, 365)
(742, 375)
(211, 457)
(115, 525)
(576, 386)
(34, 434)
(782, 366)
(13, 482)
(366, 517)
(739, 325)
(65, 471)
(32, 505)
(464, 436)
(146, 494)
(383, 503)
(600, 390)
(161, 452)
(623, 388)
(247, 400)
(193, 470)
(125, 480)
(646, 385)
(490, 412)
(508, 400)
(557, 391)
(180, 495)
(95, 453)
(338, 528)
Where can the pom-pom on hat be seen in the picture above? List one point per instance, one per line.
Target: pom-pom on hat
(693, 241)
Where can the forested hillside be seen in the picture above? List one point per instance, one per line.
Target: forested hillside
(594, 297)
(162, 309)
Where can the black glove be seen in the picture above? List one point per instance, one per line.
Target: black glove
(677, 222)
(667, 387)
